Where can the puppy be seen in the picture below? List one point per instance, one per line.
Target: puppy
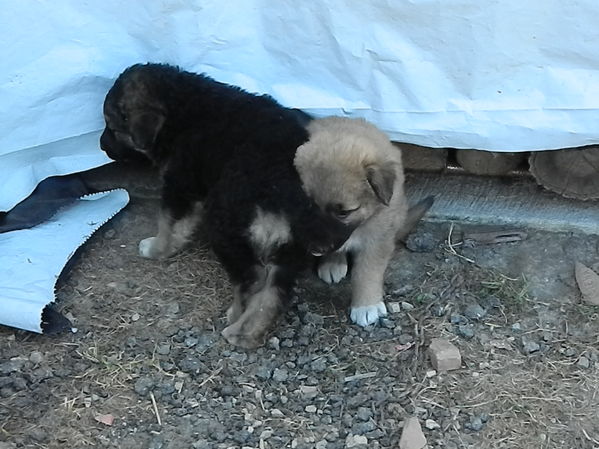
(354, 174)
(226, 155)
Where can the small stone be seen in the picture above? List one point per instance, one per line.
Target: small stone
(516, 327)
(583, 362)
(135, 317)
(263, 373)
(444, 355)
(412, 436)
(308, 391)
(475, 423)
(274, 343)
(310, 409)
(322, 444)
(393, 307)
(190, 342)
(319, 365)
(356, 441)
(456, 318)
(431, 424)
(423, 242)
(404, 339)
(406, 306)
(164, 349)
(173, 308)
(570, 352)
(276, 413)
(475, 312)
(364, 413)
(387, 323)
(36, 357)
(109, 234)
(280, 375)
(530, 346)
(465, 331)
(143, 385)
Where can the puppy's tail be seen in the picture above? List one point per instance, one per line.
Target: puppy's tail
(415, 214)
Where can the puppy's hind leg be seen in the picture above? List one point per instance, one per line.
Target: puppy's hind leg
(261, 310)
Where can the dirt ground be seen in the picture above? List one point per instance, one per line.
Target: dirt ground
(147, 368)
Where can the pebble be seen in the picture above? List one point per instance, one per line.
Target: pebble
(190, 342)
(456, 318)
(319, 365)
(308, 391)
(444, 355)
(173, 308)
(530, 346)
(516, 327)
(474, 424)
(263, 373)
(387, 323)
(135, 317)
(475, 312)
(322, 444)
(411, 435)
(583, 362)
(310, 409)
(280, 375)
(393, 307)
(407, 306)
(404, 339)
(276, 413)
(143, 385)
(431, 424)
(355, 441)
(423, 242)
(274, 343)
(364, 413)
(36, 357)
(164, 349)
(465, 331)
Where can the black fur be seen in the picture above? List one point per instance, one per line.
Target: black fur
(229, 148)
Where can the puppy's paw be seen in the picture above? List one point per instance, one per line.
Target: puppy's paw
(366, 315)
(236, 338)
(147, 248)
(333, 268)
(234, 312)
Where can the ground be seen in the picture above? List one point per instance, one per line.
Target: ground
(147, 368)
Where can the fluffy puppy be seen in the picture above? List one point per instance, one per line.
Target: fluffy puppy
(353, 173)
(227, 155)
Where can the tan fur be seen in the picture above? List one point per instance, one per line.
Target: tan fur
(350, 164)
(268, 231)
(248, 327)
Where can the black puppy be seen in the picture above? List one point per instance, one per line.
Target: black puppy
(227, 155)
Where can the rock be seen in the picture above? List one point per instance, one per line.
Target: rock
(529, 346)
(465, 331)
(406, 306)
(583, 362)
(588, 283)
(280, 375)
(36, 357)
(322, 444)
(143, 385)
(274, 343)
(164, 349)
(263, 373)
(402, 291)
(357, 441)
(310, 409)
(393, 307)
(364, 413)
(431, 424)
(404, 339)
(475, 312)
(422, 242)
(444, 355)
(319, 365)
(474, 424)
(412, 436)
(173, 308)
(387, 323)
(308, 391)
(456, 318)
(276, 413)
(516, 327)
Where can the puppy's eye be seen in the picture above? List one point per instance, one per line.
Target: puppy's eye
(344, 213)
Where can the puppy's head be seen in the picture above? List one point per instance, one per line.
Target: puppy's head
(134, 115)
(349, 168)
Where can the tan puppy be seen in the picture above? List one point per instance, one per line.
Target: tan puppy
(352, 171)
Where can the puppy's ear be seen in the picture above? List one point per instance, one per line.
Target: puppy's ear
(144, 128)
(381, 180)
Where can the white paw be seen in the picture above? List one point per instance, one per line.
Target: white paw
(146, 248)
(332, 270)
(366, 315)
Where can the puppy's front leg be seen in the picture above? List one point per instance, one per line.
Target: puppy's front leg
(333, 267)
(367, 279)
(173, 234)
